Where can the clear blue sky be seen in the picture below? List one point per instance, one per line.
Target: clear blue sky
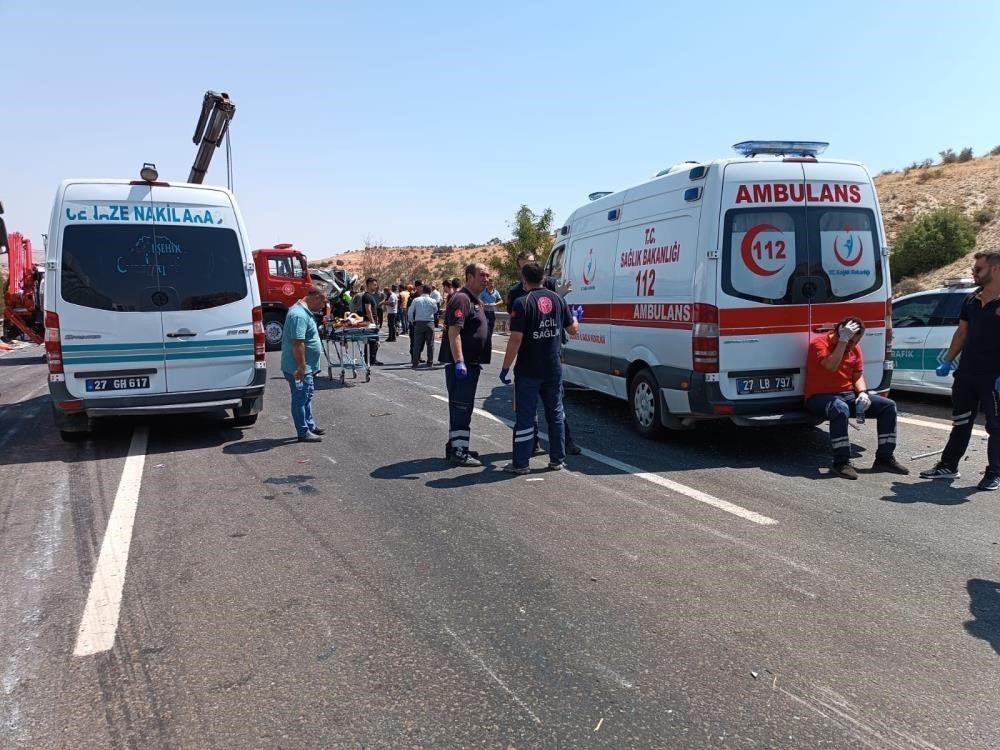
(430, 123)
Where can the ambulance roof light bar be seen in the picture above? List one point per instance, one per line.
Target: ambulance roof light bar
(780, 148)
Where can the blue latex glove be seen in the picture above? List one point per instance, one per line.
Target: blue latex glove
(996, 385)
(505, 379)
(577, 312)
(461, 371)
(943, 369)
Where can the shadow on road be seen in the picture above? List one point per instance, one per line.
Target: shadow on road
(933, 492)
(984, 604)
(36, 357)
(262, 445)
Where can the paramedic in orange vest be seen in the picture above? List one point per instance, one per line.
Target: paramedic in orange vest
(836, 390)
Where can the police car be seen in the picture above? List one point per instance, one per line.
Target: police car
(924, 323)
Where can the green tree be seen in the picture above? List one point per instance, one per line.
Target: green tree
(932, 241)
(532, 234)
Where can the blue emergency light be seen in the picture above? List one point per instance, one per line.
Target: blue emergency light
(780, 148)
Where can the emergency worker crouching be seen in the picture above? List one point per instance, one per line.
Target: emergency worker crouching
(836, 389)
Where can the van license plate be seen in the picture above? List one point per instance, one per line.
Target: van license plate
(97, 385)
(764, 384)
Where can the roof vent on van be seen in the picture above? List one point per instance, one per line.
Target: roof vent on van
(283, 246)
(599, 194)
(780, 148)
(676, 167)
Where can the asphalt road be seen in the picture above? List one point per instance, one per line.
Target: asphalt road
(714, 589)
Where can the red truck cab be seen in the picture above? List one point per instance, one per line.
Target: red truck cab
(283, 279)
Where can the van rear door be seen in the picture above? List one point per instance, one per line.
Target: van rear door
(801, 251)
(110, 325)
(204, 275)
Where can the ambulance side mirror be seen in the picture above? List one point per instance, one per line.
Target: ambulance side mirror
(3, 234)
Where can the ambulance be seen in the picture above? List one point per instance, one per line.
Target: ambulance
(697, 292)
(151, 303)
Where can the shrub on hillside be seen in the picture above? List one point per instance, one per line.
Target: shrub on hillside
(948, 156)
(983, 215)
(965, 154)
(932, 241)
(995, 151)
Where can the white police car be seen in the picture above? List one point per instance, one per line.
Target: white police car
(923, 324)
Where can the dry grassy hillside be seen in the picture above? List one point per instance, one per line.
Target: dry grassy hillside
(393, 264)
(968, 186)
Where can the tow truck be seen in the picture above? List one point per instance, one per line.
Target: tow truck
(23, 295)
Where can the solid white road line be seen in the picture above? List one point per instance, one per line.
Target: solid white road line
(681, 489)
(100, 615)
(937, 425)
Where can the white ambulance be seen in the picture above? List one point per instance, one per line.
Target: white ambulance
(151, 303)
(698, 291)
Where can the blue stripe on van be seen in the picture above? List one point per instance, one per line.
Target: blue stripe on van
(157, 345)
(214, 342)
(106, 347)
(210, 355)
(108, 360)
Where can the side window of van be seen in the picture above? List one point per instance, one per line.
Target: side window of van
(915, 312)
(146, 268)
(554, 264)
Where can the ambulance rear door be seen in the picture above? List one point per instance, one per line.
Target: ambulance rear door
(765, 284)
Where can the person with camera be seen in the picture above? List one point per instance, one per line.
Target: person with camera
(835, 389)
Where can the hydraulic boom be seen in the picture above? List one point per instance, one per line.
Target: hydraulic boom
(216, 113)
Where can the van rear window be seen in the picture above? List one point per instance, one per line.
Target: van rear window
(146, 268)
(800, 255)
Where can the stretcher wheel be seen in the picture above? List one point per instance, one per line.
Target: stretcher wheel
(368, 377)
(354, 373)
(329, 372)
(343, 377)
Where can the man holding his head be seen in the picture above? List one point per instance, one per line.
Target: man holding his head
(836, 389)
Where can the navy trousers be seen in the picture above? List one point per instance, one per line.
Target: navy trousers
(526, 394)
(968, 396)
(461, 401)
(840, 407)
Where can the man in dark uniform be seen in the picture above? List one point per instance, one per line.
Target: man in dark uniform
(537, 321)
(977, 379)
(369, 311)
(465, 348)
(513, 294)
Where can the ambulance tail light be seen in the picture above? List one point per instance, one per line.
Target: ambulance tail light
(53, 347)
(888, 331)
(259, 345)
(705, 338)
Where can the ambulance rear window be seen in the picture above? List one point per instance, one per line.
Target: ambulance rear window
(800, 255)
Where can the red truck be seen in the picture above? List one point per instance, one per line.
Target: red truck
(283, 278)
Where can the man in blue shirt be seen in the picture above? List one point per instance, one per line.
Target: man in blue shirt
(300, 352)
(490, 298)
(537, 321)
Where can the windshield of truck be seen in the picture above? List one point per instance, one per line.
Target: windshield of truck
(142, 267)
(800, 255)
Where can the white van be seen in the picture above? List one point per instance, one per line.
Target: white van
(698, 290)
(151, 303)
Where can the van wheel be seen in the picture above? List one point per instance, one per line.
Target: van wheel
(274, 327)
(244, 421)
(644, 404)
(73, 437)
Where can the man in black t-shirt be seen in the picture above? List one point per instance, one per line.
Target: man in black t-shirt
(515, 293)
(369, 311)
(465, 348)
(537, 322)
(977, 379)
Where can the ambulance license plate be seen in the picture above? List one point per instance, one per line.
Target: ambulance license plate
(764, 384)
(97, 385)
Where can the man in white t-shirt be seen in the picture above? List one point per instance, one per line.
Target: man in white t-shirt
(436, 296)
(392, 310)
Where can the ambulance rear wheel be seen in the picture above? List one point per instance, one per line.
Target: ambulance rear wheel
(644, 404)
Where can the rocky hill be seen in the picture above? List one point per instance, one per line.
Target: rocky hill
(972, 187)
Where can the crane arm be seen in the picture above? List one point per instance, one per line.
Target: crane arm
(217, 112)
